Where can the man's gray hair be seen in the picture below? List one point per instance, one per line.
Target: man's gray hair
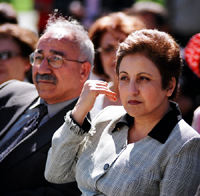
(61, 26)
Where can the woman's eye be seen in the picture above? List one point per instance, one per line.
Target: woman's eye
(122, 78)
(143, 78)
(109, 49)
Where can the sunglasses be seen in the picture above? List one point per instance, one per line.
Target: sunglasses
(54, 61)
(5, 55)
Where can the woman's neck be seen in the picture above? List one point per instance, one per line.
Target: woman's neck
(143, 125)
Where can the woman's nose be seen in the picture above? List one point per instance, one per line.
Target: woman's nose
(133, 88)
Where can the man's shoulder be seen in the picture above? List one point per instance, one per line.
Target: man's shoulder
(16, 86)
(14, 90)
(16, 83)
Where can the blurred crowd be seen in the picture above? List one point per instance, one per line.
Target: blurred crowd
(179, 18)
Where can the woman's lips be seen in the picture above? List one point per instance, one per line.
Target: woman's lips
(134, 102)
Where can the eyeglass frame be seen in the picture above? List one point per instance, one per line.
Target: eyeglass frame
(31, 56)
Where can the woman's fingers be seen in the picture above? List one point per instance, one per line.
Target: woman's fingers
(112, 97)
(95, 87)
(91, 89)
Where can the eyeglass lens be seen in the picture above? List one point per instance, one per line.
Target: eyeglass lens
(53, 61)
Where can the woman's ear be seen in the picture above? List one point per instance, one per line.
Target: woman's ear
(27, 65)
(85, 71)
(171, 87)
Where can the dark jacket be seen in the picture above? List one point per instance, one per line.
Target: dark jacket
(22, 171)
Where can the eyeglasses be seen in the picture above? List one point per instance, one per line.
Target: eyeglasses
(5, 55)
(54, 61)
(107, 50)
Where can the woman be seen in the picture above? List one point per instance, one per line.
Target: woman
(106, 33)
(16, 44)
(141, 148)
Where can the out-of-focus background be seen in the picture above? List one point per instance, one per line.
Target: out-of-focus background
(180, 18)
(182, 15)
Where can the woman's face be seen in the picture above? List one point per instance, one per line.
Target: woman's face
(108, 44)
(12, 65)
(140, 88)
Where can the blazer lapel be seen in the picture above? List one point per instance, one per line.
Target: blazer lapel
(37, 139)
(11, 113)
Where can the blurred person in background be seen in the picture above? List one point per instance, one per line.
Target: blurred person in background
(192, 58)
(44, 8)
(74, 8)
(106, 33)
(7, 14)
(183, 19)
(189, 81)
(64, 6)
(16, 44)
(153, 14)
(95, 9)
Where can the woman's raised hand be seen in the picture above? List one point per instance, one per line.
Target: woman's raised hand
(90, 91)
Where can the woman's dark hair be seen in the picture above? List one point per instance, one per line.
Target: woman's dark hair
(25, 38)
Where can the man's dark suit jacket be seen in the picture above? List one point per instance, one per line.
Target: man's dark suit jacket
(22, 171)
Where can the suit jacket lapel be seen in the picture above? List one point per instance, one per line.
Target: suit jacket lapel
(37, 139)
(11, 113)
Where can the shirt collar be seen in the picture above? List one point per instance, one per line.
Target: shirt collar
(52, 108)
(162, 129)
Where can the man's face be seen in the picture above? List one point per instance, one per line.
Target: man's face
(58, 84)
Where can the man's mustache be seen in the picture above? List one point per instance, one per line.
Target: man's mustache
(46, 77)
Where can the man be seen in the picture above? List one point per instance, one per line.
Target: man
(61, 65)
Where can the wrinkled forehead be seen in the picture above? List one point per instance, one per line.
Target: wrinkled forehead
(53, 41)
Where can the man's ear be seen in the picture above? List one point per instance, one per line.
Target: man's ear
(171, 87)
(85, 71)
